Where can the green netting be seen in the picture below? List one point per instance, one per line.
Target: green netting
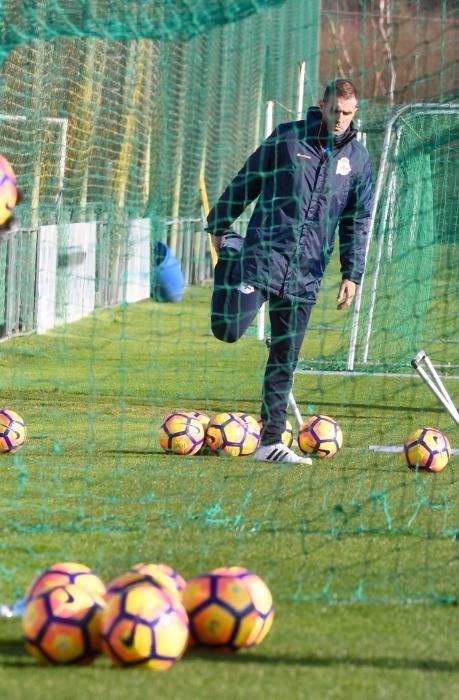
(109, 113)
(411, 254)
(411, 261)
(116, 19)
(71, 89)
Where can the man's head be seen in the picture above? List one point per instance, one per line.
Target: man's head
(339, 105)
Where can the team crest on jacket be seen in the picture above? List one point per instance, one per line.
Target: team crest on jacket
(343, 167)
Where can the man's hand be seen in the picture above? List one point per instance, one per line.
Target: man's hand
(216, 242)
(346, 293)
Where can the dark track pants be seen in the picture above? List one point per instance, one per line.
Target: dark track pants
(233, 310)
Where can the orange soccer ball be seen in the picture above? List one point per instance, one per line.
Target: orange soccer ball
(228, 433)
(320, 436)
(262, 601)
(144, 627)
(159, 576)
(61, 625)
(13, 431)
(287, 435)
(65, 574)
(427, 450)
(228, 608)
(181, 433)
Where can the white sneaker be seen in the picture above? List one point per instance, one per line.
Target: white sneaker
(279, 453)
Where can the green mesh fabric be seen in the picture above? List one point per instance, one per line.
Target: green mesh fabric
(410, 259)
(109, 113)
(119, 20)
(58, 97)
(410, 256)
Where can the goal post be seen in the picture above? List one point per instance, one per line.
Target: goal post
(410, 241)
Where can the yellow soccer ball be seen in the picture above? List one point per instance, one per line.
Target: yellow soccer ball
(156, 575)
(320, 436)
(144, 627)
(261, 598)
(61, 625)
(228, 433)
(176, 582)
(65, 574)
(220, 609)
(203, 418)
(13, 431)
(427, 450)
(182, 434)
(253, 433)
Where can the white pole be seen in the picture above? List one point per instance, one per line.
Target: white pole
(13, 117)
(269, 114)
(438, 381)
(435, 383)
(64, 123)
(447, 403)
(389, 209)
(374, 285)
(294, 406)
(378, 190)
(300, 101)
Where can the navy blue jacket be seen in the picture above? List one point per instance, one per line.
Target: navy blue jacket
(307, 186)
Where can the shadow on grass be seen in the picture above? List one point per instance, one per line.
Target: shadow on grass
(389, 409)
(14, 655)
(311, 660)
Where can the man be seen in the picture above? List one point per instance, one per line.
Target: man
(308, 178)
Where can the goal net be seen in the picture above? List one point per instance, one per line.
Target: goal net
(110, 112)
(413, 245)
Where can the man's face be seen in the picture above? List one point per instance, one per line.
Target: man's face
(338, 113)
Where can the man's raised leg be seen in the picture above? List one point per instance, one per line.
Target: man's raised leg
(234, 304)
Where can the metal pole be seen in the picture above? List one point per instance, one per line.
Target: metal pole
(377, 195)
(374, 285)
(300, 93)
(437, 379)
(268, 129)
(434, 383)
(435, 390)
(296, 411)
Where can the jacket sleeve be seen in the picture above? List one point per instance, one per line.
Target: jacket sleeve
(243, 189)
(353, 226)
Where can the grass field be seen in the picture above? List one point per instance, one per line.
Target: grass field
(360, 553)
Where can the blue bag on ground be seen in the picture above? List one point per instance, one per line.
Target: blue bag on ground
(168, 283)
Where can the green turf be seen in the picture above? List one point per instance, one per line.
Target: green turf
(313, 651)
(357, 550)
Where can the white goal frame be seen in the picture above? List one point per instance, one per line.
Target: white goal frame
(397, 121)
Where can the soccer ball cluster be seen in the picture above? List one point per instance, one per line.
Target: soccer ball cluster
(238, 434)
(235, 434)
(147, 617)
